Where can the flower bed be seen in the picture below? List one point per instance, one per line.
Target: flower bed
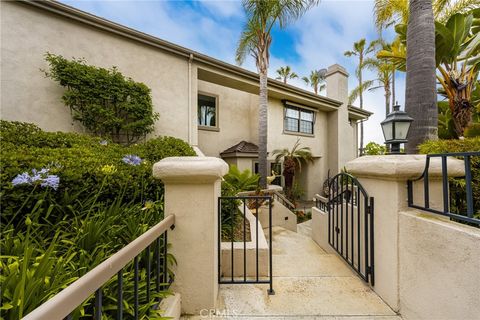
(68, 202)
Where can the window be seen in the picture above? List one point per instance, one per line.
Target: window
(299, 120)
(207, 111)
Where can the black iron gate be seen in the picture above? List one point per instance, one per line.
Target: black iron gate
(351, 225)
(241, 238)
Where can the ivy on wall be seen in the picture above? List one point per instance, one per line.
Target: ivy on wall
(106, 103)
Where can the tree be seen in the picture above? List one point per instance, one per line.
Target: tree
(458, 63)
(255, 40)
(421, 95)
(361, 52)
(392, 12)
(292, 159)
(457, 56)
(316, 80)
(384, 71)
(285, 73)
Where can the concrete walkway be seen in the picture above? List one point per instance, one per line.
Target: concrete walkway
(308, 284)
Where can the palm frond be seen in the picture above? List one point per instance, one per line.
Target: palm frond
(355, 93)
(247, 43)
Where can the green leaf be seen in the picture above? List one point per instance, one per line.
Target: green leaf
(443, 44)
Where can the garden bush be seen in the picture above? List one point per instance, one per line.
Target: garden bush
(457, 186)
(103, 100)
(68, 202)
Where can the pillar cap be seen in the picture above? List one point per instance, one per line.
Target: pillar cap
(336, 68)
(190, 170)
(402, 167)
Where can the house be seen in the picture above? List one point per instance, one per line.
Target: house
(209, 103)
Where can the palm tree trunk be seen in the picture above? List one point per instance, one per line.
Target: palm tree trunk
(262, 130)
(360, 81)
(421, 95)
(393, 88)
(387, 99)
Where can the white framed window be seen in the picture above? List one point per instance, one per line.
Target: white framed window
(299, 120)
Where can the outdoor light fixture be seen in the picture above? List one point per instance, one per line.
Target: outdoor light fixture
(395, 129)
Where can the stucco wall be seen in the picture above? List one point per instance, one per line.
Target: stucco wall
(235, 119)
(439, 261)
(28, 33)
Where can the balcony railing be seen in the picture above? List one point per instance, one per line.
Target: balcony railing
(63, 304)
(458, 202)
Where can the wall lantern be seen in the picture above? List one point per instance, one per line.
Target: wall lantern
(395, 129)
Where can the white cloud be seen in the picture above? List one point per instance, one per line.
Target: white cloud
(225, 8)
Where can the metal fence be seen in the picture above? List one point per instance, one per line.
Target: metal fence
(62, 305)
(350, 223)
(232, 220)
(458, 200)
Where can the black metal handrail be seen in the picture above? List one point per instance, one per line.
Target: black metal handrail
(258, 201)
(62, 305)
(465, 217)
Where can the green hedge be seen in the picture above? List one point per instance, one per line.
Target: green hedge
(93, 204)
(83, 163)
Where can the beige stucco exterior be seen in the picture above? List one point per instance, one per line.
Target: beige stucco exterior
(176, 76)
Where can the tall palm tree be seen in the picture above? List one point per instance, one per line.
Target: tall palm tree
(285, 73)
(361, 51)
(421, 93)
(255, 40)
(384, 71)
(316, 80)
(292, 159)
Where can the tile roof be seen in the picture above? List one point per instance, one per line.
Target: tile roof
(242, 147)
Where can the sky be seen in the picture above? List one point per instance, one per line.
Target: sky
(212, 27)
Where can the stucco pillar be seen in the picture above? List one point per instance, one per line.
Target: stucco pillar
(192, 187)
(385, 179)
(339, 130)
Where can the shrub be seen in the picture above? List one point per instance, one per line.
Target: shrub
(84, 165)
(103, 100)
(54, 231)
(241, 180)
(373, 148)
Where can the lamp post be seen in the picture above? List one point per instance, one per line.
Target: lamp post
(395, 129)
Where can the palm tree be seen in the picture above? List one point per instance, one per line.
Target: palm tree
(421, 94)
(316, 80)
(361, 52)
(255, 40)
(292, 159)
(384, 72)
(285, 73)
(391, 12)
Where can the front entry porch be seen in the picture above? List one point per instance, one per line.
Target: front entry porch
(309, 284)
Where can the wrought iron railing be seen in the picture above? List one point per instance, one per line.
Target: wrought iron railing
(460, 205)
(278, 196)
(62, 305)
(229, 209)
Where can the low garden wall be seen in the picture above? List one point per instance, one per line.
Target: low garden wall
(438, 267)
(238, 253)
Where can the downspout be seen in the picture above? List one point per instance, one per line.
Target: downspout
(190, 120)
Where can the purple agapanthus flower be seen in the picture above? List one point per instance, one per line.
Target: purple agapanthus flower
(51, 181)
(23, 178)
(37, 176)
(132, 160)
